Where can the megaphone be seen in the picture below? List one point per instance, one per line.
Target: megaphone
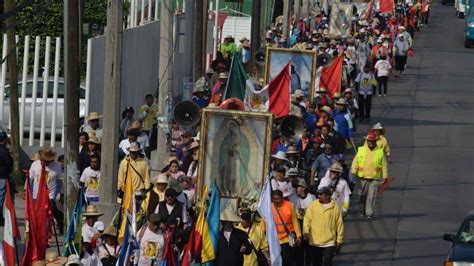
(323, 60)
(232, 104)
(187, 114)
(260, 57)
(292, 128)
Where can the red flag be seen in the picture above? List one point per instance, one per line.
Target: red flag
(279, 93)
(169, 254)
(31, 251)
(43, 214)
(11, 231)
(386, 6)
(331, 76)
(189, 250)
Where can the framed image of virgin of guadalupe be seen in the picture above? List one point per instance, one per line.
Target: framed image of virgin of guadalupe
(235, 152)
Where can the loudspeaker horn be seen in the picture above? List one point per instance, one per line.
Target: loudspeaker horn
(232, 104)
(292, 127)
(260, 57)
(187, 114)
(323, 60)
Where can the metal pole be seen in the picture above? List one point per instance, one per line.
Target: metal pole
(199, 35)
(113, 68)
(26, 53)
(165, 78)
(57, 58)
(216, 30)
(286, 21)
(13, 78)
(255, 31)
(72, 80)
(45, 90)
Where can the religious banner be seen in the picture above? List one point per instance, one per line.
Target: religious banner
(341, 19)
(235, 151)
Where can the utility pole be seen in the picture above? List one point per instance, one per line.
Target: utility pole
(286, 21)
(305, 11)
(13, 79)
(255, 32)
(72, 50)
(296, 8)
(112, 75)
(165, 89)
(199, 35)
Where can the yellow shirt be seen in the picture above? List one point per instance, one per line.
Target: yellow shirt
(149, 113)
(259, 240)
(383, 144)
(323, 226)
(135, 167)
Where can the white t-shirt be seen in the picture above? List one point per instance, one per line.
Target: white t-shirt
(88, 232)
(91, 180)
(114, 251)
(342, 193)
(190, 195)
(304, 203)
(365, 83)
(383, 68)
(53, 172)
(151, 247)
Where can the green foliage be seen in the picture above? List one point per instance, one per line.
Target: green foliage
(45, 18)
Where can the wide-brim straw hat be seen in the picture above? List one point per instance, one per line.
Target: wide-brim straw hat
(73, 259)
(94, 116)
(47, 155)
(280, 155)
(162, 179)
(341, 101)
(298, 94)
(223, 75)
(348, 90)
(92, 210)
(93, 140)
(322, 90)
(134, 147)
(336, 167)
(52, 258)
(326, 109)
(136, 126)
(110, 231)
(292, 150)
(194, 144)
(229, 216)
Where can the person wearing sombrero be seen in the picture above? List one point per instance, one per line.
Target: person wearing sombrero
(90, 179)
(135, 134)
(193, 153)
(343, 121)
(370, 166)
(109, 249)
(53, 171)
(322, 98)
(233, 243)
(338, 185)
(382, 141)
(228, 47)
(92, 148)
(136, 168)
(244, 52)
(90, 236)
(93, 125)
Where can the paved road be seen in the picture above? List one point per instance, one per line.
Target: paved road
(430, 124)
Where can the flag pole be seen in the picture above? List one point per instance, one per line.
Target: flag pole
(55, 235)
(16, 251)
(228, 78)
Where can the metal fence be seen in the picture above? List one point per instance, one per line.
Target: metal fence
(41, 95)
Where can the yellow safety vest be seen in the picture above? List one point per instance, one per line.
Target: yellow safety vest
(370, 171)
